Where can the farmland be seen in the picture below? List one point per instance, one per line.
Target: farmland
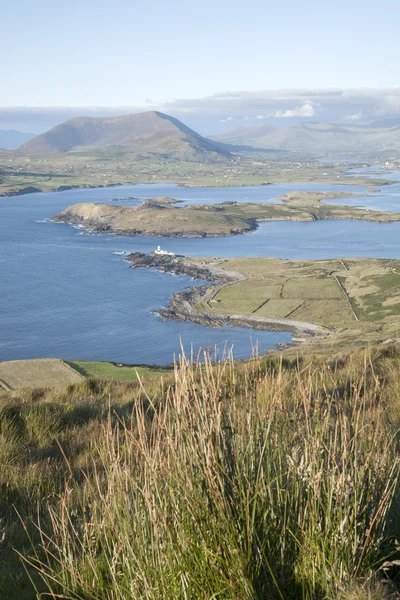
(36, 373)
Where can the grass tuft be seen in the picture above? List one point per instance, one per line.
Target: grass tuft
(238, 481)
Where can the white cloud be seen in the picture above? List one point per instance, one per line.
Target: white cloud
(328, 105)
(259, 117)
(355, 116)
(205, 114)
(307, 110)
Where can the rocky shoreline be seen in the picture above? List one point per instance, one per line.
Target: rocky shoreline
(182, 304)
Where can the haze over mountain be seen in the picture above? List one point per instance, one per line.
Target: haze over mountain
(144, 133)
(386, 123)
(11, 139)
(155, 133)
(319, 138)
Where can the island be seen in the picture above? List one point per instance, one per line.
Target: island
(159, 217)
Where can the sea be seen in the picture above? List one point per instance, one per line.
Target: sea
(68, 293)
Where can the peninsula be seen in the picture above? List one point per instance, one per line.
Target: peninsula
(336, 301)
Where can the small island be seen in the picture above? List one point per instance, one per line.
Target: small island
(159, 217)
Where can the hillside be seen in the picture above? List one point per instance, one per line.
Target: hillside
(276, 478)
(11, 139)
(145, 133)
(319, 138)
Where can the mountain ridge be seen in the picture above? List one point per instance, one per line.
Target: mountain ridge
(318, 137)
(149, 132)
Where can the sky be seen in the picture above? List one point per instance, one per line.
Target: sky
(154, 53)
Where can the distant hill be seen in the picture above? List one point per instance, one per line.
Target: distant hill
(386, 123)
(11, 139)
(249, 132)
(144, 134)
(319, 138)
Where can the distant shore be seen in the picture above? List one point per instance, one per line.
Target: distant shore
(30, 189)
(61, 188)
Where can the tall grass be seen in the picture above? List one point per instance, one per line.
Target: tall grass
(243, 482)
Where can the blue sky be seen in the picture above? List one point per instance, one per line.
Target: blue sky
(130, 53)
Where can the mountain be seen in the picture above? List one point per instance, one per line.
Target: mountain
(145, 133)
(11, 139)
(319, 138)
(249, 132)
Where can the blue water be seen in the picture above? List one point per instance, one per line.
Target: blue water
(374, 172)
(386, 198)
(261, 194)
(69, 295)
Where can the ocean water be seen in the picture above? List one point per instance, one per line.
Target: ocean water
(68, 294)
(386, 198)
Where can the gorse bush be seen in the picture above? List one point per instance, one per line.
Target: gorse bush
(238, 482)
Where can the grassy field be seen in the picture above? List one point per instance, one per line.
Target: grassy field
(110, 371)
(52, 372)
(272, 479)
(48, 173)
(44, 372)
(354, 298)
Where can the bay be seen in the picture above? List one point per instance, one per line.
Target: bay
(71, 295)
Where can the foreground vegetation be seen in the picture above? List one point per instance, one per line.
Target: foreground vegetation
(266, 479)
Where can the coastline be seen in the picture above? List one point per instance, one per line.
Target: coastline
(61, 188)
(182, 306)
(183, 184)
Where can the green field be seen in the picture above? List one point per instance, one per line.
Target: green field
(111, 371)
(356, 299)
(53, 372)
